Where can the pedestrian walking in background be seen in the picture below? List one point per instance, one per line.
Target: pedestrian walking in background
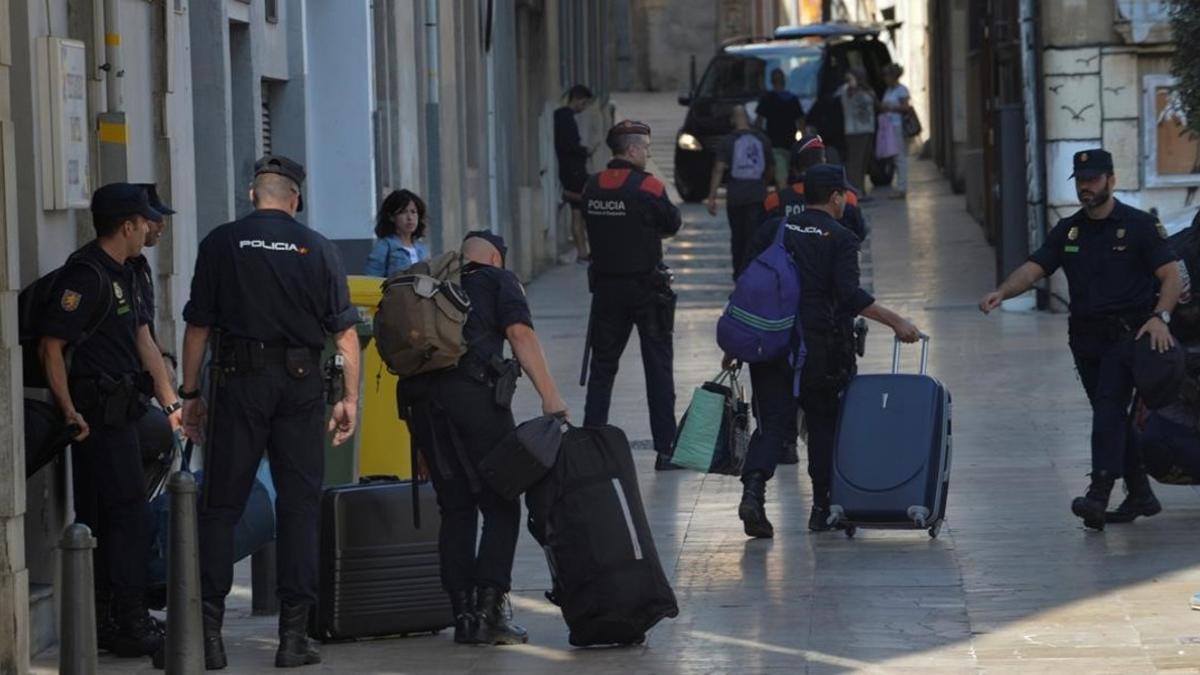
(781, 116)
(896, 104)
(746, 153)
(858, 109)
(572, 162)
(399, 227)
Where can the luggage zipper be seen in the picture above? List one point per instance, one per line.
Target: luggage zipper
(633, 538)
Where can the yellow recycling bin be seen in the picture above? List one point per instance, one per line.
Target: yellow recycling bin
(384, 442)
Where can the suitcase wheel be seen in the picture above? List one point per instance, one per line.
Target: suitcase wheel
(850, 530)
(935, 529)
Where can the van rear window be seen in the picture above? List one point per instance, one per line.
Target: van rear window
(738, 76)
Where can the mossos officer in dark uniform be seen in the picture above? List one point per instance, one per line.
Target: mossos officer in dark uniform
(103, 390)
(628, 214)
(790, 200)
(458, 416)
(826, 256)
(1115, 258)
(271, 290)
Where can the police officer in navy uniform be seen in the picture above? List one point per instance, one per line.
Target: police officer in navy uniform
(103, 391)
(1115, 258)
(628, 214)
(826, 256)
(272, 290)
(458, 416)
(789, 201)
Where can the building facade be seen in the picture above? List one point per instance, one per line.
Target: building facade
(451, 99)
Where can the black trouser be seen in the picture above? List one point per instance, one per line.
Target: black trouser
(455, 420)
(1103, 352)
(617, 306)
(744, 219)
(110, 498)
(820, 387)
(268, 410)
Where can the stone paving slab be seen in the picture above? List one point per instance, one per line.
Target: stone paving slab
(1013, 585)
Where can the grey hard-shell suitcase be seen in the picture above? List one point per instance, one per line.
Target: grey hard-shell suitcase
(379, 572)
(891, 459)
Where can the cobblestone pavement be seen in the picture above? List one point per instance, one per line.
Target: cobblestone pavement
(1013, 584)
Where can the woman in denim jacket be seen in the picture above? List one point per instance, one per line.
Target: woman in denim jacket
(398, 228)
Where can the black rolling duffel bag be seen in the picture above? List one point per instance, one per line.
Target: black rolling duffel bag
(588, 516)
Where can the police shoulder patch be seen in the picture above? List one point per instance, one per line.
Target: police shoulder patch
(771, 202)
(69, 300)
(653, 185)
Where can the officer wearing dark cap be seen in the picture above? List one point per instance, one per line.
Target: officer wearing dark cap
(457, 417)
(270, 291)
(1124, 284)
(102, 387)
(789, 201)
(826, 256)
(628, 214)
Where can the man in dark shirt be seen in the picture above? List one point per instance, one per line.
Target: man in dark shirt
(628, 214)
(456, 421)
(780, 113)
(1115, 257)
(746, 153)
(271, 290)
(102, 389)
(826, 256)
(572, 161)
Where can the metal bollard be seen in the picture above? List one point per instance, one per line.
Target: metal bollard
(264, 601)
(185, 633)
(77, 621)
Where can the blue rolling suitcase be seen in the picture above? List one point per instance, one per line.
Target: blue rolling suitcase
(891, 459)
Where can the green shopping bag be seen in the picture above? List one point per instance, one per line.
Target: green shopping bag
(714, 432)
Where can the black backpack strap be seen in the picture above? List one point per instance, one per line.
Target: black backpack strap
(101, 313)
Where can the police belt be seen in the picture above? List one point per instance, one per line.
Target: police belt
(116, 399)
(241, 355)
(1116, 324)
(497, 373)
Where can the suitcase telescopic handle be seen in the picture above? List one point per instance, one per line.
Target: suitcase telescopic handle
(924, 354)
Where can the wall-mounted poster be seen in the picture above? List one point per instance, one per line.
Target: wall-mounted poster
(1171, 150)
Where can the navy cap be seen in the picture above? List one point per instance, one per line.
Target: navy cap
(492, 238)
(156, 202)
(825, 177)
(285, 167)
(1157, 375)
(1092, 163)
(123, 199)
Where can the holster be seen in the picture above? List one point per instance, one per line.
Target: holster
(664, 301)
(113, 401)
(498, 373)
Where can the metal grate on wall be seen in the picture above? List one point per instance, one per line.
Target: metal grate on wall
(266, 122)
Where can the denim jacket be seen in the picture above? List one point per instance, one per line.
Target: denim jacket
(389, 257)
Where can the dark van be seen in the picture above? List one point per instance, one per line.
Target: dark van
(814, 59)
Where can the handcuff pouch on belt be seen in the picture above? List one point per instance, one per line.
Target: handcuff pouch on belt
(251, 356)
(498, 373)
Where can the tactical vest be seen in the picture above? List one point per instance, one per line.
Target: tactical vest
(621, 234)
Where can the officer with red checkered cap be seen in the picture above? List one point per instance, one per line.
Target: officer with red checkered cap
(628, 213)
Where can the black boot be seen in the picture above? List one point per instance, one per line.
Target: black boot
(106, 622)
(213, 615)
(789, 454)
(466, 624)
(294, 648)
(752, 510)
(495, 619)
(136, 632)
(818, 519)
(663, 463)
(1140, 500)
(1092, 505)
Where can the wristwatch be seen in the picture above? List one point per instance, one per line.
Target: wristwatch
(1165, 316)
(170, 410)
(188, 395)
